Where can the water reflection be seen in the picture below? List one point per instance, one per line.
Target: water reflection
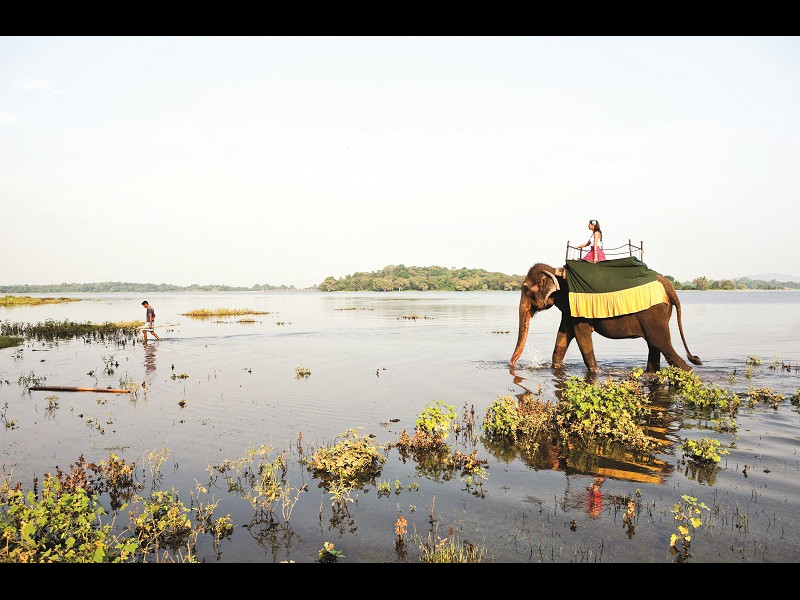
(149, 359)
(598, 458)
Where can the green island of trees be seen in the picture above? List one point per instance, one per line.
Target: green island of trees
(390, 278)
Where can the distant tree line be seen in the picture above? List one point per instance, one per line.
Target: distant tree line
(744, 283)
(403, 278)
(390, 278)
(119, 286)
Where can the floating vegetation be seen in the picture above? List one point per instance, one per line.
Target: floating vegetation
(130, 384)
(66, 329)
(688, 518)
(8, 342)
(301, 372)
(349, 464)
(328, 555)
(704, 450)
(434, 457)
(415, 317)
(355, 308)
(449, 550)
(30, 301)
(206, 313)
(766, 395)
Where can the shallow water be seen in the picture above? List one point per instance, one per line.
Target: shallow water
(374, 370)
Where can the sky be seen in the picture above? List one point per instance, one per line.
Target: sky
(287, 160)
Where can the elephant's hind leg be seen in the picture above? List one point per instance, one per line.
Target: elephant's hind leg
(655, 329)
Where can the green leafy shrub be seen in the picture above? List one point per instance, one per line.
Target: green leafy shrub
(503, 417)
(437, 419)
(526, 418)
(688, 518)
(704, 450)
(609, 410)
(694, 392)
(58, 527)
(347, 465)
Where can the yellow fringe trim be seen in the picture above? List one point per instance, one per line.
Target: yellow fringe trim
(612, 304)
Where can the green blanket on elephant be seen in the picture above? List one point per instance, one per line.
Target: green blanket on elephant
(611, 288)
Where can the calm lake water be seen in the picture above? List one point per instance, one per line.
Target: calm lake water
(373, 369)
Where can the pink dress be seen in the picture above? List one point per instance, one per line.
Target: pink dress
(598, 249)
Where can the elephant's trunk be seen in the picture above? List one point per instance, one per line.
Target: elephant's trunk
(524, 324)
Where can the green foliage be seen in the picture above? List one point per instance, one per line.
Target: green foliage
(607, 410)
(327, 554)
(766, 395)
(688, 518)
(402, 278)
(66, 329)
(161, 521)
(347, 465)
(523, 419)
(260, 480)
(695, 393)
(503, 418)
(704, 450)
(449, 550)
(31, 301)
(58, 527)
(437, 419)
(137, 288)
(9, 342)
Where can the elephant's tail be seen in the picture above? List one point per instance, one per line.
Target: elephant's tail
(673, 296)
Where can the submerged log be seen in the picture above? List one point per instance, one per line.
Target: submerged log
(64, 388)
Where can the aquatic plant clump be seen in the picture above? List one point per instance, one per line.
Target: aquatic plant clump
(31, 301)
(610, 410)
(66, 329)
(526, 418)
(201, 313)
(9, 342)
(694, 392)
(349, 464)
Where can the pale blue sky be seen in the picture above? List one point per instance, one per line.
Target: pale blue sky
(287, 160)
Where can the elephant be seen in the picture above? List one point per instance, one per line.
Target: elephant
(545, 287)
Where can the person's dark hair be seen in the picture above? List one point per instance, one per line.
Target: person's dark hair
(145, 302)
(596, 224)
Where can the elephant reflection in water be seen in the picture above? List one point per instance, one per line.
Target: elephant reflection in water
(545, 287)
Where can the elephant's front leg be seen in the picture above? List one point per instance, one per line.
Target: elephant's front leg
(653, 359)
(583, 335)
(564, 337)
